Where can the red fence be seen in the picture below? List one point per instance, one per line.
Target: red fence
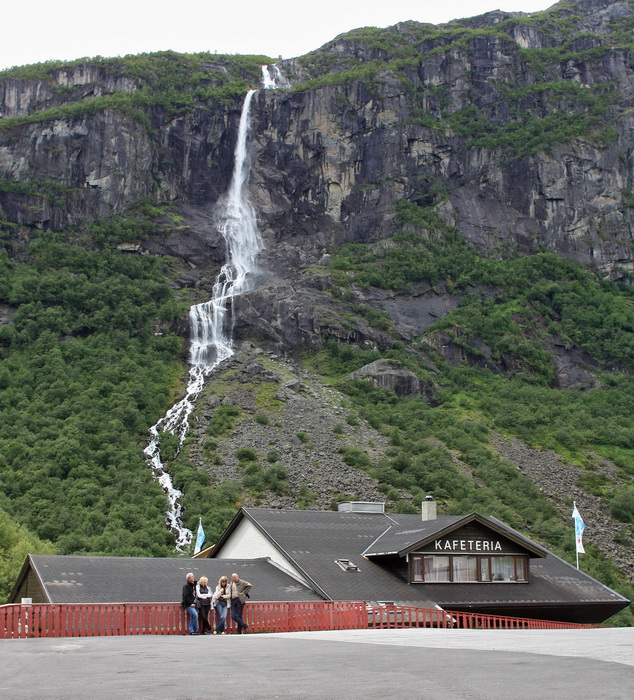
(401, 617)
(93, 619)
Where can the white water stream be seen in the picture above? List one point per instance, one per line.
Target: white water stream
(272, 77)
(211, 323)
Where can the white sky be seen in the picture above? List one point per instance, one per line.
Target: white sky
(39, 30)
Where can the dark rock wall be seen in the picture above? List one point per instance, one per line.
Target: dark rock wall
(330, 163)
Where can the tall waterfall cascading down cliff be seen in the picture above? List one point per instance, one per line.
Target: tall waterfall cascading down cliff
(211, 322)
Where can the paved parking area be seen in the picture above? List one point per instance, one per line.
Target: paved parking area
(404, 664)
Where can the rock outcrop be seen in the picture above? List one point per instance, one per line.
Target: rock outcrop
(386, 374)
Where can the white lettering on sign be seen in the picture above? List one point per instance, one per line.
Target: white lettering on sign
(468, 545)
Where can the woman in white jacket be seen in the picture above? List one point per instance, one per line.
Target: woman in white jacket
(203, 603)
(220, 599)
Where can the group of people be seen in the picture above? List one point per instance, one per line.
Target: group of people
(199, 601)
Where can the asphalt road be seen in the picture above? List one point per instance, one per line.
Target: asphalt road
(429, 664)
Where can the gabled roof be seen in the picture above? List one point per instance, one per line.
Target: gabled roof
(401, 539)
(313, 541)
(76, 579)
(378, 544)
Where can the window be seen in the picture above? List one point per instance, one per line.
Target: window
(436, 568)
(503, 568)
(417, 568)
(465, 568)
(520, 569)
(485, 569)
(453, 568)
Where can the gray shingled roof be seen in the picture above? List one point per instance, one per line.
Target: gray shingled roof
(313, 540)
(404, 534)
(76, 579)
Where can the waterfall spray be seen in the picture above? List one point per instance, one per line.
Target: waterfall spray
(211, 332)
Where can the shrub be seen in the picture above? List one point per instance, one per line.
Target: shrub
(262, 419)
(622, 504)
(223, 420)
(246, 454)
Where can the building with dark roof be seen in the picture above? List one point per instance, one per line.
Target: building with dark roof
(75, 579)
(468, 563)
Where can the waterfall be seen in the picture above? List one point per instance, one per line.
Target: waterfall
(272, 78)
(211, 323)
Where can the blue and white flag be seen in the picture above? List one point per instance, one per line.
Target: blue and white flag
(579, 528)
(200, 537)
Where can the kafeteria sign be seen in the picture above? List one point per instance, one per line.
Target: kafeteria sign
(467, 545)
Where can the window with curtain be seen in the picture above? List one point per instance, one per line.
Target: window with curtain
(436, 568)
(454, 568)
(465, 568)
(503, 568)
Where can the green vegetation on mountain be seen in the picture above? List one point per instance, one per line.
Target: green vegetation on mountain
(86, 366)
(15, 543)
(173, 82)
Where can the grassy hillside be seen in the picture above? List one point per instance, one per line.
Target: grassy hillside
(88, 363)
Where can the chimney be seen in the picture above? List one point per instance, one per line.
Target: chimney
(428, 508)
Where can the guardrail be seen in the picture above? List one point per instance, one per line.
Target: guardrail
(95, 619)
(111, 619)
(402, 617)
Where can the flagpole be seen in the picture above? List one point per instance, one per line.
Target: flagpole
(579, 528)
(574, 508)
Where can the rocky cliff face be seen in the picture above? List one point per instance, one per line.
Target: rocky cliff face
(516, 129)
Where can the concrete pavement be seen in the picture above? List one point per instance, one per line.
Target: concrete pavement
(418, 663)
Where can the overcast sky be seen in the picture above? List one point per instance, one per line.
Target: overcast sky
(36, 30)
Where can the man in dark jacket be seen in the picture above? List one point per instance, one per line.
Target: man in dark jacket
(239, 594)
(188, 601)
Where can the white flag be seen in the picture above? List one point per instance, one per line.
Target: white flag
(200, 537)
(579, 528)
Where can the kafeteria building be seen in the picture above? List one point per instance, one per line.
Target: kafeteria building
(468, 563)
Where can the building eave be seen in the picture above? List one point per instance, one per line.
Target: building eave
(29, 565)
(496, 526)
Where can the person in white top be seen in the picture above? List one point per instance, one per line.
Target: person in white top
(203, 603)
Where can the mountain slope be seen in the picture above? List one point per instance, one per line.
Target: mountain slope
(446, 282)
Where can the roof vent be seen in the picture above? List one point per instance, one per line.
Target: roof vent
(361, 507)
(346, 565)
(428, 508)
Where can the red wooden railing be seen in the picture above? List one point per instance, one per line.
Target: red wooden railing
(93, 619)
(401, 617)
